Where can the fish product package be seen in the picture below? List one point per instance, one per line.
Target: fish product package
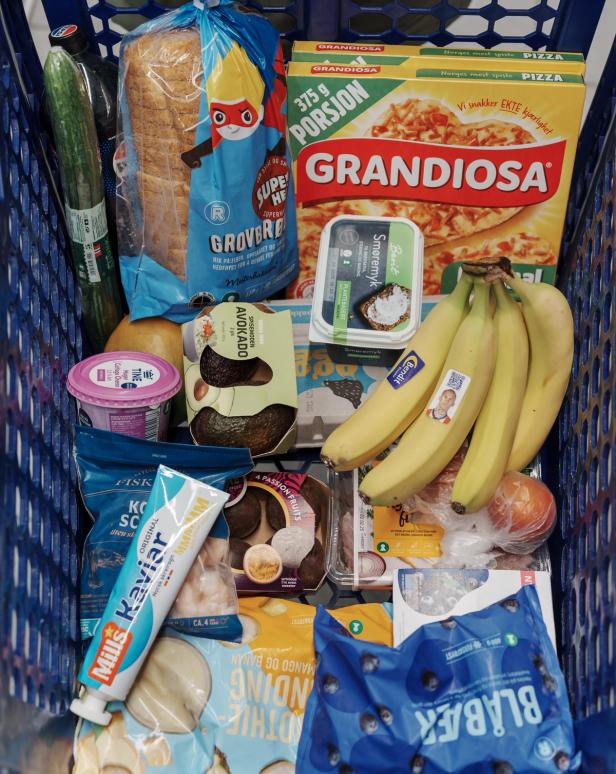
(116, 475)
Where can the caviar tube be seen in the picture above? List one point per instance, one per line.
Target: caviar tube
(176, 521)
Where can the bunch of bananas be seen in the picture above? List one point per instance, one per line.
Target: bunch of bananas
(480, 362)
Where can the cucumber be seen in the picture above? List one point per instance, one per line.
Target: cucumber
(76, 144)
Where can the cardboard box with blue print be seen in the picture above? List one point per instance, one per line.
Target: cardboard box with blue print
(327, 392)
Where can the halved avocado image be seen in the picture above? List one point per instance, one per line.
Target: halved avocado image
(260, 433)
(220, 371)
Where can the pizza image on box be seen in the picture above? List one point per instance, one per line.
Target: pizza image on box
(481, 166)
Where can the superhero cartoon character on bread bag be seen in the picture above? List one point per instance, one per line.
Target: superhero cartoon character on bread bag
(238, 105)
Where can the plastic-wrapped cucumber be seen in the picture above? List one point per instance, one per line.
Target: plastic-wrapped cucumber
(76, 143)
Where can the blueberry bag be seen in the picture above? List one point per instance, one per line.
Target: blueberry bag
(206, 209)
(480, 693)
(116, 474)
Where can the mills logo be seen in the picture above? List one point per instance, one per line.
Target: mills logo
(110, 653)
(508, 176)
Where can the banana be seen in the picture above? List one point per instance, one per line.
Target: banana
(495, 428)
(433, 439)
(549, 323)
(397, 400)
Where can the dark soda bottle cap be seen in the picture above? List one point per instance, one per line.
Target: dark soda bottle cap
(70, 37)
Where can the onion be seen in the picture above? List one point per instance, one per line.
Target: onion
(371, 565)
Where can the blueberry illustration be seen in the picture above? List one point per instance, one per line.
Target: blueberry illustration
(385, 714)
(562, 761)
(344, 768)
(539, 664)
(429, 680)
(417, 764)
(368, 723)
(550, 683)
(449, 623)
(340, 681)
(511, 605)
(502, 767)
(369, 662)
(333, 755)
(324, 755)
(430, 675)
(330, 684)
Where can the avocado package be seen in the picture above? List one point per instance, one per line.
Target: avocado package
(240, 378)
(277, 524)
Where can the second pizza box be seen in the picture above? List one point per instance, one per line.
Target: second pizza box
(431, 56)
(480, 160)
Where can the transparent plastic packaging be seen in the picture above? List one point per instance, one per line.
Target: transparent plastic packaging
(509, 533)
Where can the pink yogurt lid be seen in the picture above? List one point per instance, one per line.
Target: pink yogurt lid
(123, 380)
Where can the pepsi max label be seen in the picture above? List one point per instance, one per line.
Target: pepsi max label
(64, 31)
(405, 370)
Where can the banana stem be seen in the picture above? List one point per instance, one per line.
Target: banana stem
(502, 296)
(463, 287)
(481, 297)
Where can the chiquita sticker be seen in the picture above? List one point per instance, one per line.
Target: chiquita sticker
(449, 396)
(405, 370)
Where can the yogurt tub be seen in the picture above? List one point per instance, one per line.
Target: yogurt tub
(125, 392)
(368, 288)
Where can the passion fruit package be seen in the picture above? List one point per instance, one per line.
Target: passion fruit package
(278, 521)
(211, 707)
(480, 693)
(205, 199)
(116, 475)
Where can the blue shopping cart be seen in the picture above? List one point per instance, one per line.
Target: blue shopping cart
(40, 525)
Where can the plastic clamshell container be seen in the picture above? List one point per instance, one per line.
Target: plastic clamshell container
(366, 268)
(125, 392)
(341, 544)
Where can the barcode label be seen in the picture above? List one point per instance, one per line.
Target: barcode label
(87, 226)
(89, 256)
(152, 421)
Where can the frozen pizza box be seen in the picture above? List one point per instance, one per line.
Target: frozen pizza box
(424, 596)
(480, 160)
(379, 53)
